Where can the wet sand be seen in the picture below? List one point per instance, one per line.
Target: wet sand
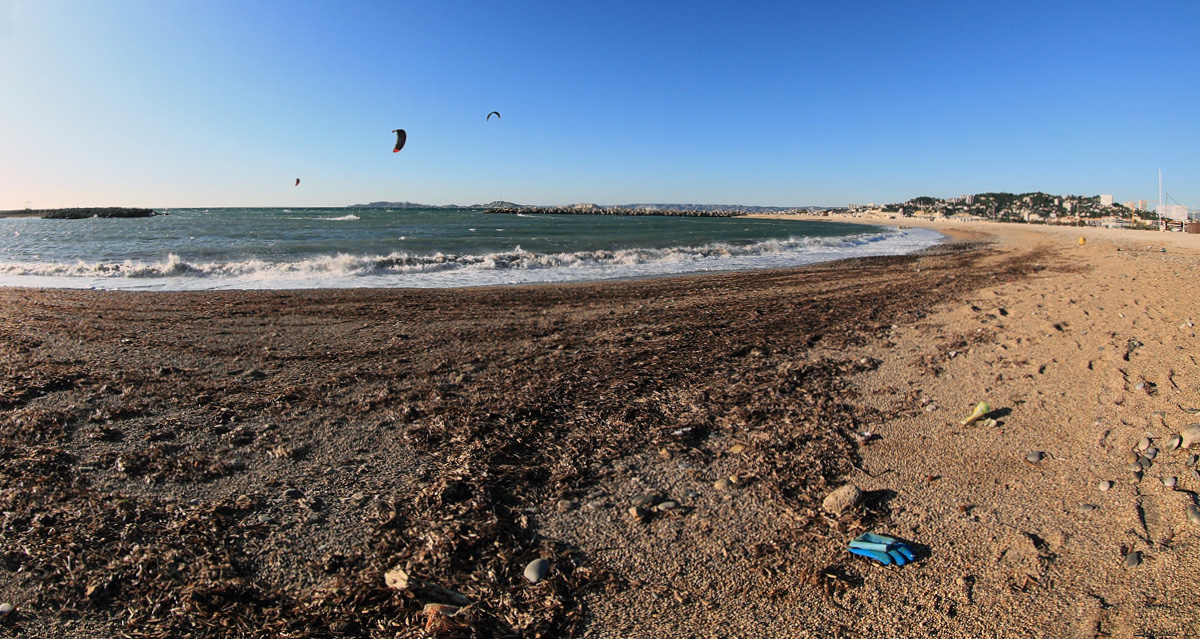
(253, 463)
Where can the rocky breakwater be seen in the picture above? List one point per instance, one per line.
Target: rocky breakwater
(88, 212)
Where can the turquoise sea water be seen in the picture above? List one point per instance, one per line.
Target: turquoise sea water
(199, 249)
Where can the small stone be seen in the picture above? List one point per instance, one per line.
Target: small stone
(1146, 463)
(736, 449)
(1193, 514)
(1144, 443)
(1132, 457)
(358, 498)
(1134, 466)
(1035, 457)
(647, 500)
(292, 493)
(537, 570)
(1136, 477)
(723, 484)
(1189, 435)
(1192, 460)
(267, 519)
(667, 505)
(1169, 482)
(1172, 443)
(1086, 508)
(6, 608)
(842, 499)
(1105, 486)
(638, 513)
(1196, 474)
(1151, 453)
(1133, 559)
(565, 504)
(396, 578)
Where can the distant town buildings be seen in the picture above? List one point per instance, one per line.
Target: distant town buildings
(1106, 200)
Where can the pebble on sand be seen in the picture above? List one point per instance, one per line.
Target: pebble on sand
(6, 608)
(1133, 559)
(1189, 435)
(1193, 514)
(842, 499)
(1105, 486)
(723, 484)
(537, 570)
(1035, 457)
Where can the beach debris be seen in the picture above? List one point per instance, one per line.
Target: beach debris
(882, 548)
(441, 620)
(1189, 435)
(981, 409)
(495, 113)
(865, 436)
(1133, 559)
(401, 138)
(1105, 486)
(1193, 514)
(1035, 457)
(537, 570)
(1172, 443)
(396, 578)
(842, 500)
(1169, 482)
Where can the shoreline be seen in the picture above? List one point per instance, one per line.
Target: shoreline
(305, 442)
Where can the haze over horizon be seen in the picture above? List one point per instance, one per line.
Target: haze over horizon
(189, 104)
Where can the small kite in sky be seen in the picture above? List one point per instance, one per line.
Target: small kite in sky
(297, 182)
(489, 116)
(401, 136)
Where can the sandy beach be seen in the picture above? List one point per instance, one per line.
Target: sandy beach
(256, 464)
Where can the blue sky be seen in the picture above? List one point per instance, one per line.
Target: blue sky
(225, 103)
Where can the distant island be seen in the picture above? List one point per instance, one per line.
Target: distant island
(80, 213)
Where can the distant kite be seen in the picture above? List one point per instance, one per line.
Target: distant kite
(297, 182)
(401, 137)
(489, 116)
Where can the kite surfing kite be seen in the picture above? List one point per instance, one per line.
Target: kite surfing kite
(489, 116)
(401, 136)
(297, 182)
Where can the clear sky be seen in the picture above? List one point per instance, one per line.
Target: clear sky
(177, 103)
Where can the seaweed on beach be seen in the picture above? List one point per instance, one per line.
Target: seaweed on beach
(410, 430)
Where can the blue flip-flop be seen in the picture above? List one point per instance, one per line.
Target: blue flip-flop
(886, 550)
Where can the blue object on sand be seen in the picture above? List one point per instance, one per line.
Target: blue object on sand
(886, 550)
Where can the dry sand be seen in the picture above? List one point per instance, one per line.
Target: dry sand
(251, 464)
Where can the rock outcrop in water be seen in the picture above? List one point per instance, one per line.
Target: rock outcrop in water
(91, 211)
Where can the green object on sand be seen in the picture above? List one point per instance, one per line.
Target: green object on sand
(980, 410)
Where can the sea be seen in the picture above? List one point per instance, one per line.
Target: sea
(299, 248)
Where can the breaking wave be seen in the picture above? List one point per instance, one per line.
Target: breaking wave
(515, 266)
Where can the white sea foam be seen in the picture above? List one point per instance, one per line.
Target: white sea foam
(516, 266)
